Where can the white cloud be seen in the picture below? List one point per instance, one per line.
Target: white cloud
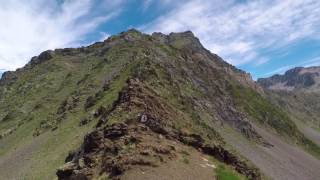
(104, 36)
(160, 3)
(30, 27)
(147, 4)
(238, 31)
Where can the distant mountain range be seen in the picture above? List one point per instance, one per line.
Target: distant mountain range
(293, 80)
(298, 92)
(139, 106)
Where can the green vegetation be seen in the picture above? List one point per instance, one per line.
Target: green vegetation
(311, 147)
(224, 173)
(49, 107)
(265, 113)
(185, 158)
(44, 106)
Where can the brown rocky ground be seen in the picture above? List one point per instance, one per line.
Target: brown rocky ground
(189, 165)
(147, 139)
(178, 96)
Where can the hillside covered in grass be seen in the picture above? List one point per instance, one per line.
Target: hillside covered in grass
(136, 106)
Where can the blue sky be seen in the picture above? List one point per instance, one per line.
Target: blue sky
(263, 37)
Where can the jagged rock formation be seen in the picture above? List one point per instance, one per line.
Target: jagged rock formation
(137, 101)
(144, 140)
(294, 79)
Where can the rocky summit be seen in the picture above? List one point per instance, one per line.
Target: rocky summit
(295, 79)
(139, 106)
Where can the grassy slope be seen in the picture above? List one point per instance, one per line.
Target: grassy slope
(269, 114)
(37, 95)
(33, 100)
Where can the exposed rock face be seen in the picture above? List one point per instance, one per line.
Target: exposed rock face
(7, 77)
(294, 79)
(135, 101)
(44, 56)
(11, 76)
(147, 140)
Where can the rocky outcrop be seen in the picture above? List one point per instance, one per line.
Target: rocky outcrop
(177, 94)
(120, 147)
(294, 79)
(8, 77)
(146, 139)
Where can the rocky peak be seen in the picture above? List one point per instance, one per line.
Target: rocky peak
(147, 98)
(131, 35)
(293, 79)
(181, 40)
(44, 56)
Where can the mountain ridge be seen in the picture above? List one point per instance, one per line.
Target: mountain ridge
(298, 92)
(293, 79)
(132, 90)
